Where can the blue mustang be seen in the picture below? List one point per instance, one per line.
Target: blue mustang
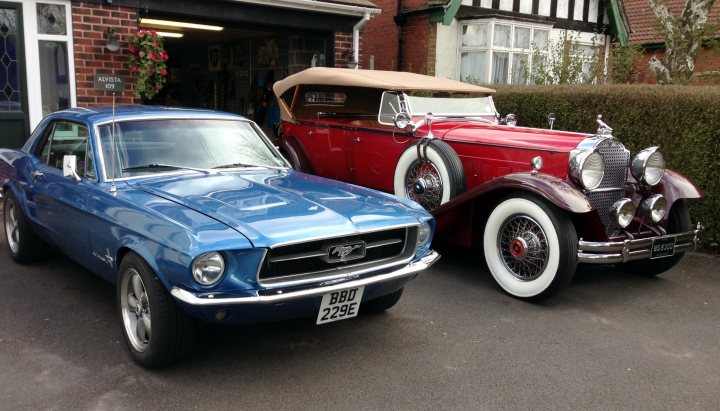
(195, 214)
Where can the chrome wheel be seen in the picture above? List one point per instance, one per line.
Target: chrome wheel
(523, 247)
(135, 307)
(423, 184)
(12, 229)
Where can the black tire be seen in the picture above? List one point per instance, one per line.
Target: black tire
(381, 304)
(530, 247)
(430, 182)
(23, 244)
(172, 331)
(678, 222)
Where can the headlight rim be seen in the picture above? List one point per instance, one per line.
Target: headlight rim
(202, 256)
(649, 205)
(616, 210)
(427, 228)
(577, 165)
(638, 166)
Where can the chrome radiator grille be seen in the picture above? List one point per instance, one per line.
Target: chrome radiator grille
(616, 168)
(314, 259)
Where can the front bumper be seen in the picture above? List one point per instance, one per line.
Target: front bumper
(633, 249)
(280, 296)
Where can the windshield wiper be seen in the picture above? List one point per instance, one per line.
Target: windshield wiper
(158, 165)
(236, 165)
(243, 165)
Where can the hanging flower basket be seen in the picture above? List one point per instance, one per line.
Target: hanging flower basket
(147, 63)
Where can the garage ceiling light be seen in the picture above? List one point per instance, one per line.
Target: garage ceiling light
(171, 23)
(169, 34)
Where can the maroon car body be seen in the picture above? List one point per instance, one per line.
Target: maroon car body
(538, 201)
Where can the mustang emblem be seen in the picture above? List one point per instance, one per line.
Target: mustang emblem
(345, 252)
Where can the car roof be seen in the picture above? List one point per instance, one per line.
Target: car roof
(378, 79)
(102, 114)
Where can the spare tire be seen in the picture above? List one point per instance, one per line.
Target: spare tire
(432, 181)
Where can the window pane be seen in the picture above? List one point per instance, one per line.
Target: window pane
(9, 73)
(587, 51)
(520, 68)
(522, 37)
(500, 68)
(502, 36)
(54, 76)
(472, 67)
(51, 19)
(540, 39)
(475, 35)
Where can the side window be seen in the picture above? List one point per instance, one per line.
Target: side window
(65, 139)
(389, 106)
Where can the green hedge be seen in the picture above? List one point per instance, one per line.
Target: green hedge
(684, 121)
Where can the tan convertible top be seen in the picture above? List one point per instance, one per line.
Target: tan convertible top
(379, 79)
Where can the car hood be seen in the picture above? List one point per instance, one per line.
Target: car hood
(270, 207)
(516, 137)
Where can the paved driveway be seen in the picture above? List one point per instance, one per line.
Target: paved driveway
(609, 341)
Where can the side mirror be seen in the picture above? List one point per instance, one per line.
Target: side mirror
(69, 167)
(510, 120)
(551, 120)
(402, 120)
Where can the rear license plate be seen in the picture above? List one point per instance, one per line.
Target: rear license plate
(339, 305)
(663, 247)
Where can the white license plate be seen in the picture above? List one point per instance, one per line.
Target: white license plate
(339, 305)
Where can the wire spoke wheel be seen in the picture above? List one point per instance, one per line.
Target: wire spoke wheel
(523, 247)
(423, 184)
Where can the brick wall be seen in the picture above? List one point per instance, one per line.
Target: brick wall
(90, 22)
(707, 68)
(380, 37)
(417, 56)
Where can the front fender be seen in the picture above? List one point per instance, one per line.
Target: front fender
(555, 190)
(460, 218)
(296, 155)
(675, 186)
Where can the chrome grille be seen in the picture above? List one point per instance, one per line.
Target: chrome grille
(309, 261)
(617, 158)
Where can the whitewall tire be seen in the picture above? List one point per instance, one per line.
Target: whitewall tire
(530, 247)
(430, 182)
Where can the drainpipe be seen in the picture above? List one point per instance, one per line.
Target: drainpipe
(356, 37)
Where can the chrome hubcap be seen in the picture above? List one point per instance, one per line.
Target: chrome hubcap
(523, 247)
(135, 310)
(424, 185)
(11, 227)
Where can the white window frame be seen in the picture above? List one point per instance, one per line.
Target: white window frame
(490, 49)
(32, 55)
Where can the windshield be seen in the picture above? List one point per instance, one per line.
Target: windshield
(155, 146)
(451, 106)
(439, 104)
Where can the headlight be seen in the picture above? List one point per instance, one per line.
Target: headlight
(588, 168)
(655, 207)
(648, 166)
(208, 268)
(623, 212)
(424, 234)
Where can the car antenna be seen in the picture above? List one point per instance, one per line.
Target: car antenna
(113, 189)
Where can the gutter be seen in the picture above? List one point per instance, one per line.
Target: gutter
(316, 6)
(356, 37)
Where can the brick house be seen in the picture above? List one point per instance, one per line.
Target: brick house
(52, 50)
(645, 32)
(484, 41)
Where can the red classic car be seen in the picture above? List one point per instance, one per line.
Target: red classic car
(538, 201)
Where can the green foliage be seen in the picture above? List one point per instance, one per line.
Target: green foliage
(147, 63)
(564, 61)
(683, 121)
(622, 68)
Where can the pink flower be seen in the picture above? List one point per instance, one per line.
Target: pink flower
(133, 69)
(153, 32)
(133, 49)
(155, 43)
(152, 57)
(164, 72)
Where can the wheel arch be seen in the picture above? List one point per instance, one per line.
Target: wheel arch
(129, 245)
(460, 219)
(296, 154)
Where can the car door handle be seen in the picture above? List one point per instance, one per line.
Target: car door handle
(356, 139)
(36, 174)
